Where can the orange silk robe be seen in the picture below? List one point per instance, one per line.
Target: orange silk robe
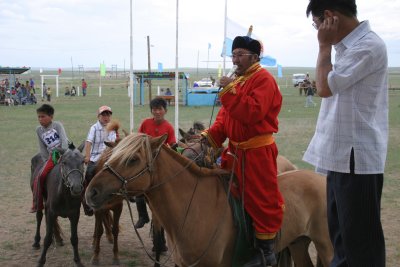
(250, 108)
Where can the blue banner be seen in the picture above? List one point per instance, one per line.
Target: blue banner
(280, 71)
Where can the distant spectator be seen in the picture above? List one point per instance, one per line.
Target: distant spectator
(44, 91)
(73, 91)
(17, 83)
(48, 94)
(32, 99)
(67, 91)
(212, 80)
(32, 85)
(84, 87)
(168, 92)
(310, 94)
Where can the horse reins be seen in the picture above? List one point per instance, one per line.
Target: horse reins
(124, 193)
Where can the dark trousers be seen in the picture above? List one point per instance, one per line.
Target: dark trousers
(354, 219)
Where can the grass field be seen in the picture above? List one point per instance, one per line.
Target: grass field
(19, 143)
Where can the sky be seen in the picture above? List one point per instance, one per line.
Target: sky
(66, 33)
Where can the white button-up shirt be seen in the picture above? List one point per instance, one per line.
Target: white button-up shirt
(356, 115)
(97, 135)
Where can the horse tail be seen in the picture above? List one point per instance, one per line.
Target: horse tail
(58, 233)
(284, 258)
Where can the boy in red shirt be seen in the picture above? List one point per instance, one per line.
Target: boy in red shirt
(155, 126)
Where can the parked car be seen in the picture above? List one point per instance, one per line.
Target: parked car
(205, 82)
(298, 78)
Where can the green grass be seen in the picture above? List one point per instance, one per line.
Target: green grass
(297, 124)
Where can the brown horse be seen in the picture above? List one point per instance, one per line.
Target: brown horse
(111, 221)
(103, 216)
(191, 202)
(205, 156)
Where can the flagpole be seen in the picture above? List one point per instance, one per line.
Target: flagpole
(224, 47)
(176, 74)
(131, 113)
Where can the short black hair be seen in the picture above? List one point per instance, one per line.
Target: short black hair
(158, 102)
(346, 7)
(46, 108)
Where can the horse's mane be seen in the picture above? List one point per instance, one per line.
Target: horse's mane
(126, 150)
(192, 166)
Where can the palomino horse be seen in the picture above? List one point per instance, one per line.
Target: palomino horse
(191, 202)
(103, 216)
(205, 156)
(64, 186)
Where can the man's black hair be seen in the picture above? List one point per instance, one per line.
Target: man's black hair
(317, 7)
(157, 103)
(46, 108)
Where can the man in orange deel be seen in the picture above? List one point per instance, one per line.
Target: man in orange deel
(251, 102)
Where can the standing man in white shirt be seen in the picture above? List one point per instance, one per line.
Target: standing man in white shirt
(350, 141)
(94, 145)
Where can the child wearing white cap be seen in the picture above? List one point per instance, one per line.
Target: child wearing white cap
(94, 145)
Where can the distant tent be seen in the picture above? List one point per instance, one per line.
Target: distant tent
(11, 73)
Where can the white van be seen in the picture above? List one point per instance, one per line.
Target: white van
(298, 78)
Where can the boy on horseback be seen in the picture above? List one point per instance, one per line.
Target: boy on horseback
(94, 146)
(51, 135)
(154, 126)
(251, 103)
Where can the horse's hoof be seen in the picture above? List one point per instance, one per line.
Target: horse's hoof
(79, 264)
(60, 243)
(36, 246)
(110, 239)
(116, 262)
(95, 262)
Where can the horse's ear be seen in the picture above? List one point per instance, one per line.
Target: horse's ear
(61, 150)
(125, 132)
(71, 146)
(183, 133)
(157, 142)
(81, 146)
(110, 144)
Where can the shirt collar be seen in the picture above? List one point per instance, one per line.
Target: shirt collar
(362, 29)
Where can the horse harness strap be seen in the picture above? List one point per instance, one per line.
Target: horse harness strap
(65, 176)
(124, 180)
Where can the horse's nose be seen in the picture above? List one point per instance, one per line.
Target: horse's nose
(77, 190)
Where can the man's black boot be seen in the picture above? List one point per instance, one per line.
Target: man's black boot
(266, 255)
(142, 211)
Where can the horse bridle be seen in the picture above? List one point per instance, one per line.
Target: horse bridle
(66, 175)
(124, 180)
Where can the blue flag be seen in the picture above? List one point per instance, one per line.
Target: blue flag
(279, 71)
(160, 67)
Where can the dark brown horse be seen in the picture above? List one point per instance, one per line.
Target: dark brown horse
(104, 216)
(63, 189)
(191, 202)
